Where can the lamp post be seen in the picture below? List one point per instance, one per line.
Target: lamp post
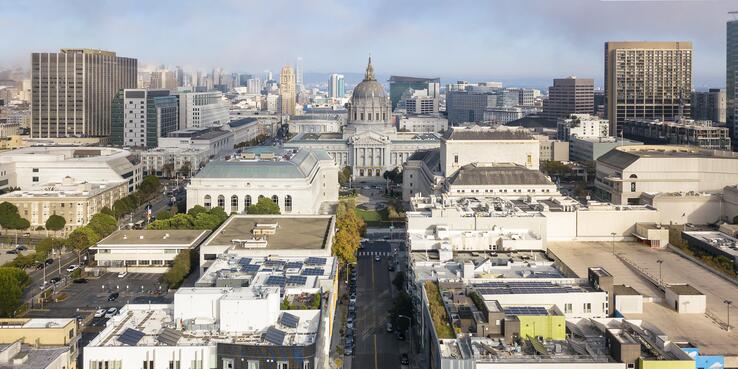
(409, 330)
(661, 280)
(728, 303)
(612, 234)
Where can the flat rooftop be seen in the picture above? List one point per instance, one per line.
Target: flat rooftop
(298, 232)
(35, 323)
(718, 240)
(510, 265)
(684, 290)
(36, 358)
(154, 238)
(284, 272)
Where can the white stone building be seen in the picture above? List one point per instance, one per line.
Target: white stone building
(370, 144)
(422, 123)
(154, 161)
(583, 126)
(202, 109)
(216, 141)
(305, 182)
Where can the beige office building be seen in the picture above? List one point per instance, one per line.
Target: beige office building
(647, 80)
(287, 91)
(72, 91)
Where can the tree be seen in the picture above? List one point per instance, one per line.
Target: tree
(263, 206)
(108, 211)
(8, 214)
(197, 209)
(150, 185)
(179, 270)
(344, 176)
(55, 223)
(402, 305)
(163, 214)
(186, 168)
(80, 239)
(103, 224)
(12, 281)
(179, 221)
(121, 207)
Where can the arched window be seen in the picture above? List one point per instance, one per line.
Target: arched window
(378, 174)
(275, 199)
(633, 184)
(234, 204)
(361, 172)
(207, 202)
(377, 116)
(288, 203)
(221, 201)
(246, 202)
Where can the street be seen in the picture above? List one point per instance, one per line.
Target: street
(375, 347)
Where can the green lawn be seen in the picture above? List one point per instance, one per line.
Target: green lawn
(369, 216)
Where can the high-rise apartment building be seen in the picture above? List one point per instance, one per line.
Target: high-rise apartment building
(468, 106)
(72, 91)
(709, 105)
(337, 87)
(254, 86)
(731, 67)
(141, 116)
(287, 91)
(164, 79)
(299, 83)
(202, 109)
(399, 85)
(651, 80)
(569, 96)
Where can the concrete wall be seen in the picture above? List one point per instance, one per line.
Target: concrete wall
(550, 327)
(686, 304)
(702, 209)
(522, 152)
(599, 224)
(629, 304)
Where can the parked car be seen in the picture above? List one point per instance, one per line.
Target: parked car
(377, 258)
(55, 280)
(122, 274)
(404, 360)
(113, 296)
(43, 285)
(111, 312)
(80, 280)
(388, 327)
(72, 267)
(49, 261)
(21, 248)
(11, 252)
(350, 323)
(352, 298)
(391, 267)
(100, 313)
(400, 335)
(40, 266)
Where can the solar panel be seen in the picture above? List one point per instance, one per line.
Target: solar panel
(251, 268)
(169, 336)
(273, 263)
(244, 261)
(130, 337)
(275, 280)
(315, 261)
(274, 336)
(526, 310)
(312, 271)
(289, 320)
(296, 280)
(293, 265)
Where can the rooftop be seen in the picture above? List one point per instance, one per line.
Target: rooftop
(684, 290)
(67, 189)
(288, 166)
(290, 232)
(35, 323)
(716, 239)
(486, 133)
(180, 237)
(498, 174)
(622, 156)
(32, 357)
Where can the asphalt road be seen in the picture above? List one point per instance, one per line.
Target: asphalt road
(57, 269)
(375, 348)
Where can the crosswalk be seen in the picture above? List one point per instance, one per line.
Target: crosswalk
(373, 253)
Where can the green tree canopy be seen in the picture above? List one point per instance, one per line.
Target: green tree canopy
(10, 219)
(197, 209)
(263, 206)
(150, 185)
(163, 214)
(55, 222)
(103, 224)
(82, 238)
(12, 281)
(108, 211)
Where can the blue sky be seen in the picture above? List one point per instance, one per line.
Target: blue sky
(525, 42)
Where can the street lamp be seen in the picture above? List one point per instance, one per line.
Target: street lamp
(409, 329)
(661, 280)
(728, 303)
(612, 234)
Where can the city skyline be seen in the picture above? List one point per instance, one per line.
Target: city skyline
(560, 43)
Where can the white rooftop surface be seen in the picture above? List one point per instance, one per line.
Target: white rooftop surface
(717, 240)
(527, 265)
(151, 319)
(40, 323)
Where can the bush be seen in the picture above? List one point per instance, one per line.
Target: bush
(438, 311)
(179, 270)
(12, 281)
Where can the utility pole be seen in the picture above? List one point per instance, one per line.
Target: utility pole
(612, 234)
(661, 280)
(728, 303)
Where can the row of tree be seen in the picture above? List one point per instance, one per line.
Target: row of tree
(196, 218)
(149, 188)
(180, 269)
(12, 282)
(253, 142)
(349, 228)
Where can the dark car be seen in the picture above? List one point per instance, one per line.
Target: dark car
(80, 280)
(40, 266)
(55, 280)
(401, 335)
(404, 360)
(113, 296)
(21, 248)
(49, 261)
(11, 252)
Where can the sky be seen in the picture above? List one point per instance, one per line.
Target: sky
(519, 42)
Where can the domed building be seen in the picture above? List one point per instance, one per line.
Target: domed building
(370, 143)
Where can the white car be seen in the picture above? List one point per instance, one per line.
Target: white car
(122, 274)
(111, 312)
(72, 268)
(100, 313)
(377, 258)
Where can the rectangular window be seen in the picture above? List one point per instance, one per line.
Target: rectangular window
(567, 308)
(456, 159)
(283, 365)
(227, 363)
(252, 364)
(35, 170)
(35, 179)
(587, 307)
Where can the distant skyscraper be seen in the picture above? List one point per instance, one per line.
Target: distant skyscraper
(140, 117)
(337, 88)
(569, 96)
(268, 76)
(72, 91)
(163, 79)
(287, 91)
(298, 74)
(243, 79)
(399, 85)
(731, 67)
(709, 105)
(647, 80)
(179, 75)
(254, 86)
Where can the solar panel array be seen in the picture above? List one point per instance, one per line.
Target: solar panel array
(526, 310)
(312, 271)
(274, 336)
(296, 280)
(130, 337)
(293, 265)
(275, 280)
(315, 261)
(507, 288)
(244, 261)
(169, 336)
(251, 268)
(273, 263)
(289, 320)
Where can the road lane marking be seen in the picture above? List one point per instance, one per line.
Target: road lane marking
(372, 276)
(375, 352)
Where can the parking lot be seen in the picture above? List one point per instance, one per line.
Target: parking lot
(138, 288)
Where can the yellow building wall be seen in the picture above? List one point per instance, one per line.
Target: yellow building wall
(550, 327)
(665, 364)
(57, 336)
